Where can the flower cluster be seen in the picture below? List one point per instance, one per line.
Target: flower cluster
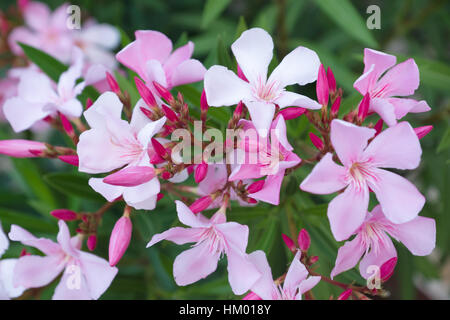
(133, 156)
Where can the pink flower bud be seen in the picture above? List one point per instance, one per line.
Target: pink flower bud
(67, 126)
(331, 80)
(163, 92)
(159, 149)
(378, 127)
(363, 108)
(70, 159)
(387, 269)
(147, 112)
(145, 92)
(22, 4)
(92, 242)
(89, 103)
(156, 159)
(316, 141)
(313, 259)
(203, 106)
(130, 176)
(200, 172)
(345, 295)
(190, 169)
(292, 113)
(200, 204)
(119, 240)
(423, 131)
(170, 114)
(289, 243)
(251, 296)
(166, 175)
(322, 86)
(251, 200)
(159, 196)
(336, 105)
(64, 214)
(255, 186)
(237, 114)
(304, 241)
(19, 148)
(112, 83)
(241, 74)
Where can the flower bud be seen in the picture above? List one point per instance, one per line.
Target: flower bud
(19, 148)
(200, 172)
(292, 113)
(203, 106)
(159, 149)
(147, 112)
(163, 92)
(316, 141)
(363, 108)
(331, 80)
(378, 127)
(120, 239)
(64, 214)
(289, 243)
(423, 131)
(313, 259)
(145, 92)
(92, 242)
(70, 159)
(67, 126)
(159, 196)
(112, 83)
(304, 241)
(169, 113)
(322, 86)
(130, 176)
(255, 186)
(336, 105)
(345, 295)
(201, 204)
(387, 269)
(237, 114)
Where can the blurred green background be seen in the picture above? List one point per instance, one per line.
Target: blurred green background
(337, 31)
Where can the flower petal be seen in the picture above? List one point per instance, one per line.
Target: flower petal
(374, 259)
(106, 105)
(187, 217)
(262, 114)
(37, 271)
(384, 109)
(47, 246)
(264, 287)
(188, 71)
(348, 256)
(242, 274)
(401, 80)
(292, 99)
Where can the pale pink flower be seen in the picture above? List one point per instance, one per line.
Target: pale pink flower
(295, 284)
(213, 237)
(396, 147)
(8, 89)
(253, 51)
(272, 159)
(383, 88)
(44, 30)
(113, 143)
(37, 97)
(372, 242)
(85, 276)
(151, 57)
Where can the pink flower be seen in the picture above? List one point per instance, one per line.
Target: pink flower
(37, 97)
(396, 147)
(399, 81)
(272, 159)
(213, 237)
(151, 58)
(253, 51)
(44, 30)
(85, 276)
(113, 143)
(295, 284)
(374, 245)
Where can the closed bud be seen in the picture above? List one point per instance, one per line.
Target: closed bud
(201, 204)
(200, 172)
(112, 83)
(120, 239)
(163, 92)
(159, 149)
(237, 114)
(92, 242)
(387, 269)
(423, 131)
(313, 259)
(203, 106)
(255, 186)
(70, 159)
(19, 148)
(316, 141)
(251, 201)
(166, 175)
(145, 92)
(130, 176)
(345, 295)
(67, 126)
(159, 196)
(64, 214)
(304, 241)
(322, 86)
(336, 105)
(289, 243)
(292, 112)
(363, 108)
(146, 112)
(378, 127)
(331, 80)
(170, 114)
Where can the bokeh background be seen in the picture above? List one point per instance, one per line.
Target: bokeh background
(337, 31)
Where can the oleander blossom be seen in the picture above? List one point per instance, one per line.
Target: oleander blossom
(253, 51)
(385, 83)
(85, 276)
(295, 283)
(373, 244)
(213, 238)
(397, 147)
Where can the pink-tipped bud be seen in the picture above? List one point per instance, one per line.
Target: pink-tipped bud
(112, 83)
(423, 131)
(313, 259)
(201, 204)
(345, 295)
(170, 114)
(304, 241)
(200, 172)
(190, 169)
(64, 214)
(130, 176)
(316, 141)
(159, 149)
(322, 86)
(19, 148)
(67, 126)
(336, 105)
(331, 80)
(163, 92)
(241, 74)
(292, 113)
(255, 186)
(146, 112)
(378, 127)
(237, 114)
(119, 240)
(166, 175)
(159, 196)
(289, 242)
(92, 242)
(145, 92)
(387, 269)
(363, 108)
(89, 103)
(70, 159)
(204, 106)
(251, 296)
(251, 201)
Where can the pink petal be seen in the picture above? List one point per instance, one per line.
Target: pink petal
(143, 196)
(235, 235)
(180, 55)
(347, 211)
(107, 105)
(401, 80)
(154, 71)
(131, 176)
(376, 258)
(24, 35)
(22, 114)
(262, 115)
(253, 51)
(188, 71)
(187, 217)
(37, 271)
(177, 235)
(326, 177)
(264, 286)
(270, 192)
(384, 109)
(47, 246)
(396, 147)
(349, 140)
(67, 288)
(289, 99)
(297, 273)
(403, 106)
(242, 274)
(64, 239)
(381, 61)
(399, 198)
(308, 284)
(348, 256)
(37, 16)
(150, 130)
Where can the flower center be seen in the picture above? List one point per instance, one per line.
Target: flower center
(266, 91)
(359, 173)
(373, 236)
(216, 242)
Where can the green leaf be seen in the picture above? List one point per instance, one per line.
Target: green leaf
(72, 184)
(445, 142)
(223, 55)
(344, 14)
(242, 26)
(212, 10)
(27, 221)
